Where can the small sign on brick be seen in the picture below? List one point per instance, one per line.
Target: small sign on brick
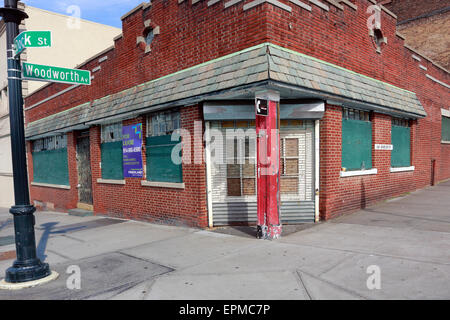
(389, 147)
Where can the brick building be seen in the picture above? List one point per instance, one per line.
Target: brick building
(425, 25)
(90, 38)
(361, 120)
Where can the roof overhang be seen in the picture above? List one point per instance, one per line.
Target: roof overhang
(238, 77)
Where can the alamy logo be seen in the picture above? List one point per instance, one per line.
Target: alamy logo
(374, 21)
(74, 280)
(374, 280)
(73, 21)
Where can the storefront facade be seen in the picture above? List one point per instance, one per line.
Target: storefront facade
(360, 121)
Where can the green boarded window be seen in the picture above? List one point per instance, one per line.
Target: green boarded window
(112, 160)
(112, 154)
(446, 129)
(356, 140)
(160, 166)
(401, 142)
(159, 146)
(50, 163)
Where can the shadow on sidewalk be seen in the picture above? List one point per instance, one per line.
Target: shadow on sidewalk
(48, 231)
(6, 223)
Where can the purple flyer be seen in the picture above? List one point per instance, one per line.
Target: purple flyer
(132, 151)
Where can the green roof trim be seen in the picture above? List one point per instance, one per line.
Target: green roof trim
(335, 66)
(245, 68)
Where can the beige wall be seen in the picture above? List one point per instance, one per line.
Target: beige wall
(6, 180)
(3, 76)
(70, 47)
(7, 194)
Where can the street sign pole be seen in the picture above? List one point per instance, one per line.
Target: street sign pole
(27, 267)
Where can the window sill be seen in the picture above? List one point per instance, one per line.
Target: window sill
(403, 169)
(345, 174)
(445, 142)
(110, 181)
(172, 185)
(49, 185)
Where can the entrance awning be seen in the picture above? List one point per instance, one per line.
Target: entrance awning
(218, 110)
(236, 77)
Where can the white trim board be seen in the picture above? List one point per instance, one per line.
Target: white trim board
(403, 169)
(345, 174)
(157, 184)
(110, 181)
(49, 185)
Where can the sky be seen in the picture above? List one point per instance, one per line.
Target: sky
(102, 11)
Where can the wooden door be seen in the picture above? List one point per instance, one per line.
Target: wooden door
(84, 170)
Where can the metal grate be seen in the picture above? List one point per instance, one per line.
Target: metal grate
(297, 207)
(50, 143)
(163, 123)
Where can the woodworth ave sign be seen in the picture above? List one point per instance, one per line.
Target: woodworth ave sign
(39, 72)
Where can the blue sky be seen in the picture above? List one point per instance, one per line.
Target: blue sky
(101, 11)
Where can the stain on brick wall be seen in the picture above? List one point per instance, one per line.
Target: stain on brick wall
(410, 9)
(431, 36)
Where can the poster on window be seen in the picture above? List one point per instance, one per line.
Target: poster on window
(132, 151)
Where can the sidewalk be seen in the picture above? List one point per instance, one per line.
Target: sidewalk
(407, 238)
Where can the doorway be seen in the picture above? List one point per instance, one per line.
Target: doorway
(85, 198)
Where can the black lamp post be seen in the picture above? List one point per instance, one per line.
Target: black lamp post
(27, 267)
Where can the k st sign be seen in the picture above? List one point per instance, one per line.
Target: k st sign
(32, 39)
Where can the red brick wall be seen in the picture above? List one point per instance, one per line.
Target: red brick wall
(346, 194)
(430, 36)
(162, 205)
(408, 9)
(190, 35)
(341, 37)
(53, 198)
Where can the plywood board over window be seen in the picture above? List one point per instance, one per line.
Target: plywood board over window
(446, 129)
(356, 140)
(401, 142)
(159, 147)
(111, 151)
(50, 163)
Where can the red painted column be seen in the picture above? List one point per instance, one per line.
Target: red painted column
(267, 108)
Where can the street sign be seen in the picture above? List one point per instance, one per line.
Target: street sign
(31, 71)
(261, 107)
(32, 39)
